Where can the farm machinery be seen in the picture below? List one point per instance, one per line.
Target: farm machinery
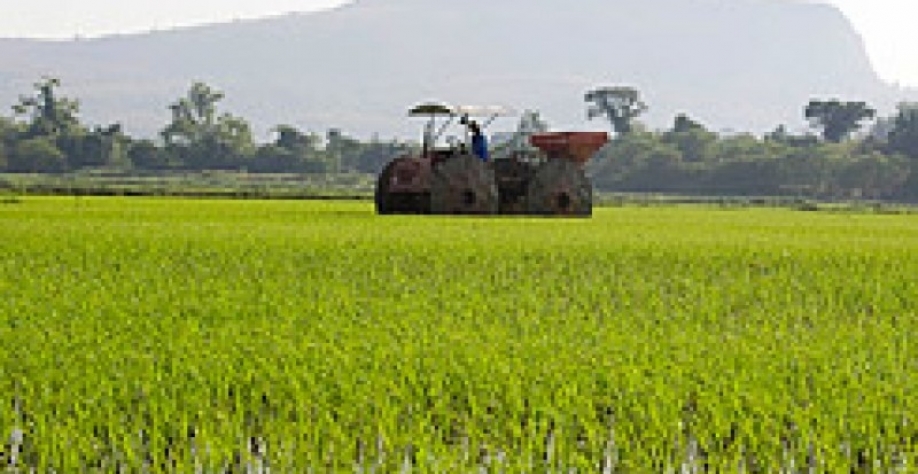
(542, 177)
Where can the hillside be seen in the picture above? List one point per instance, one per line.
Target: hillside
(737, 64)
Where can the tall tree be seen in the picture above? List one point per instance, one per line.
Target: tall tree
(837, 119)
(193, 116)
(202, 138)
(620, 105)
(48, 114)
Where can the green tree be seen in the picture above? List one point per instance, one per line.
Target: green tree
(903, 138)
(233, 140)
(293, 151)
(620, 105)
(270, 158)
(193, 116)
(636, 162)
(290, 138)
(873, 176)
(98, 147)
(8, 133)
(783, 136)
(112, 144)
(837, 119)
(144, 154)
(48, 114)
(202, 139)
(691, 139)
(881, 128)
(376, 154)
(342, 151)
(37, 155)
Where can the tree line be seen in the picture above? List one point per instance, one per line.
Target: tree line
(46, 135)
(840, 158)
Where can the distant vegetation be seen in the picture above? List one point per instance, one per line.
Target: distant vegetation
(843, 158)
(47, 137)
(830, 164)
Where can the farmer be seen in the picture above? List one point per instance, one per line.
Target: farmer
(479, 142)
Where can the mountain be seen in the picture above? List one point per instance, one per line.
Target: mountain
(745, 65)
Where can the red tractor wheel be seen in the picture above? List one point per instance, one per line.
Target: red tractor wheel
(560, 188)
(463, 185)
(381, 195)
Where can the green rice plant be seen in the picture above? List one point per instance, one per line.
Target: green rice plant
(214, 336)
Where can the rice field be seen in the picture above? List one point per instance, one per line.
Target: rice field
(166, 335)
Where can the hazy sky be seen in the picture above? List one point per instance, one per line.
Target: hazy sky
(886, 25)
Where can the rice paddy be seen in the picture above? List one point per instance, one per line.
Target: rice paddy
(168, 335)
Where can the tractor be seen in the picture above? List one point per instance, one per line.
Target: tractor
(546, 178)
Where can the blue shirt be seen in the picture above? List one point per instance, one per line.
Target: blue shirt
(480, 147)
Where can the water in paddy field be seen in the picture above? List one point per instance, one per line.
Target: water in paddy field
(263, 459)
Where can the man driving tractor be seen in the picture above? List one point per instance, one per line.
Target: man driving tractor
(479, 142)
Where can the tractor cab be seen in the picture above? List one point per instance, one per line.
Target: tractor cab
(439, 119)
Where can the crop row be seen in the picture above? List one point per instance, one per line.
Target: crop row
(171, 335)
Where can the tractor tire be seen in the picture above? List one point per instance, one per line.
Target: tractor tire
(463, 185)
(560, 188)
(381, 196)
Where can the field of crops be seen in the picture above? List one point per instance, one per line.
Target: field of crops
(157, 335)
